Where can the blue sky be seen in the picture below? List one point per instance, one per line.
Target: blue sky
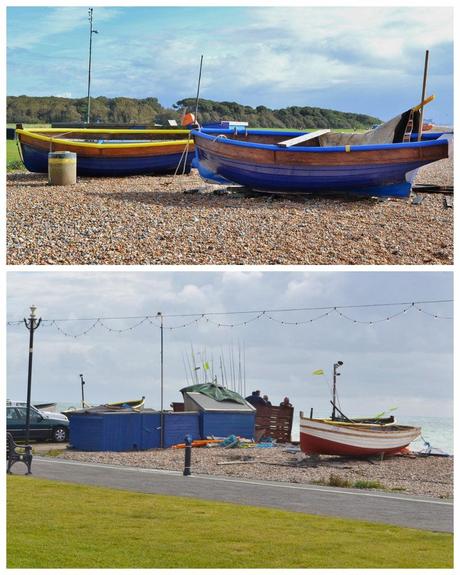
(405, 362)
(353, 59)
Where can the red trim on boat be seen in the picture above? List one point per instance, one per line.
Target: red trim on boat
(316, 445)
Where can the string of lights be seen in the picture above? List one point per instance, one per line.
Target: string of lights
(221, 324)
(173, 327)
(371, 322)
(157, 320)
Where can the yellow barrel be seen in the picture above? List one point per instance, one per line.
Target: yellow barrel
(62, 168)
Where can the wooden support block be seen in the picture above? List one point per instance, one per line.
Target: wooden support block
(448, 202)
(417, 200)
(302, 138)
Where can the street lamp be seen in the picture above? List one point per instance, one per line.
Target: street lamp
(91, 32)
(334, 391)
(31, 325)
(82, 391)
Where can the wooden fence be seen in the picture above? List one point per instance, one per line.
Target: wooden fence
(275, 422)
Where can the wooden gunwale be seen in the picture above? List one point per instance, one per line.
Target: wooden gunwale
(96, 131)
(337, 158)
(36, 139)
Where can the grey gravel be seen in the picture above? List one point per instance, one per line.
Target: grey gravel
(151, 220)
(409, 474)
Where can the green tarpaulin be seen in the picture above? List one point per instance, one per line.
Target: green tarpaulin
(216, 392)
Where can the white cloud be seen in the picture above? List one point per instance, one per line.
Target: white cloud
(395, 362)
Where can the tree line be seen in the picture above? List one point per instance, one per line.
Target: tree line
(50, 109)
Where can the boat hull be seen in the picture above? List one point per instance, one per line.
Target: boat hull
(323, 437)
(132, 405)
(377, 170)
(108, 159)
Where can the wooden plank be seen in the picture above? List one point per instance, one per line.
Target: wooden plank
(302, 138)
(432, 189)
(234, 462)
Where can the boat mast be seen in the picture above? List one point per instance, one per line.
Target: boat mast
(334, 387)
(197, 99)
(425, 74)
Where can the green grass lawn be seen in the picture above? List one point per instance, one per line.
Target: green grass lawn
(58, 525)
(13, 159)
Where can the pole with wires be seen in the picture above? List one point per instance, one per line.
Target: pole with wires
(162, 433)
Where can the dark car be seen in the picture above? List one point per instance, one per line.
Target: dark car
(43, 426)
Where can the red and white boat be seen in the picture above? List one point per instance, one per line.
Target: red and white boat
(329, 437)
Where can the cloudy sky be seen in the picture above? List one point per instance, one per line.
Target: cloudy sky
(405, 362)
(353, 59)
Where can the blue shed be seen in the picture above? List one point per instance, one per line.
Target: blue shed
(130, 430)
(109, 431)
(221, 418)
(178, 424)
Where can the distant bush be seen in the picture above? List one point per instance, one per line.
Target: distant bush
(49, 109)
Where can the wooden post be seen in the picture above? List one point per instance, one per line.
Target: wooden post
(425, 74)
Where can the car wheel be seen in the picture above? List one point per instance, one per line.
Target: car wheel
(59, 434)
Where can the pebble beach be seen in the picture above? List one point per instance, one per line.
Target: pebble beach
(181, 220)
(407, 474)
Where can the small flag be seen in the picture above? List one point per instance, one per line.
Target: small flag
(318, 372)
(385, 412)
(206, 366)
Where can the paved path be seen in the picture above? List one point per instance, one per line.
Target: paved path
(403, 510)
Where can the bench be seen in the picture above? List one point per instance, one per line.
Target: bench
(15, 452)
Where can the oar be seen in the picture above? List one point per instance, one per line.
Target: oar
(424, 103)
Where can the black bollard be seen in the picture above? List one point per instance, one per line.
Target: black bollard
(188, 455)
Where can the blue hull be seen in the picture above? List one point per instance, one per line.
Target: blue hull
(36, 160)
(360, 180)
(377, 170)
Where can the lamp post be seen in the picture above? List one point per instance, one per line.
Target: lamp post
(82, 391)
(334, 387)
(91, 32)
(32, 324)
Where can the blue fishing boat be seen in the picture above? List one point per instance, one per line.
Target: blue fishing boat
(381, 162)
(109, 152)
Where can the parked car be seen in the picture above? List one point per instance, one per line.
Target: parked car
(43, 425)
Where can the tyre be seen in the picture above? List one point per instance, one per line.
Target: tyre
(60, 434)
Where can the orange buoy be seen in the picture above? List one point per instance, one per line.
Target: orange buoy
(188, 119)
